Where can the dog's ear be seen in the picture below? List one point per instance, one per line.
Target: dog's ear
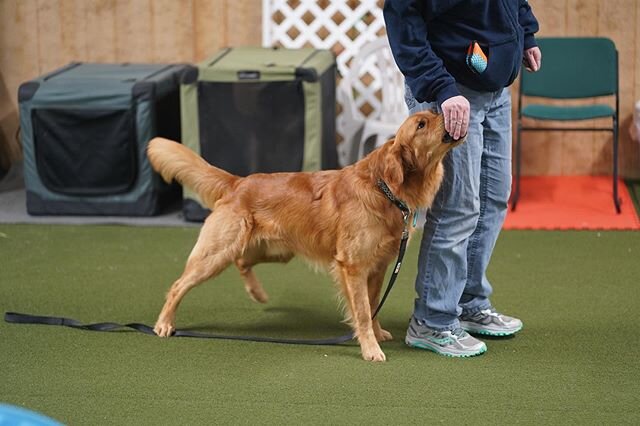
(409, 159)
(400, 161)
(393, 173)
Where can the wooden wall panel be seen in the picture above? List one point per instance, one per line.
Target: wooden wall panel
(551, 16)
(37, 36)
(50, 48)
(134, 31)
(581, 17)
(73, 29)
(100, 27)
(173, 39)
(61, 32)
(244, 22)
(18, 58)
(210, 31)
(636, 71)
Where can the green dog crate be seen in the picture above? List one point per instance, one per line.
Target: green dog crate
(85, 129)
(260, 110)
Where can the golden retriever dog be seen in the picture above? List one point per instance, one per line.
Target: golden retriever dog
(339, 219)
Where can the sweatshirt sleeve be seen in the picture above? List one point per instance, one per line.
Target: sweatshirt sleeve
(424, 72)
(529, 24)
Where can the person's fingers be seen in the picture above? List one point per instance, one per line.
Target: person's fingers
(533, 60)
(465, 123)
(537, 53)
(453, 120)
(457, 129)
(531, 63)
(526, 61)
(446, 112)
(462, 122)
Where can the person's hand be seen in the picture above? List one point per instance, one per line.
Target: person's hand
(456, 116)
(532, 59)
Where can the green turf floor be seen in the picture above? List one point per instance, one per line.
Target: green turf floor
(575, 362)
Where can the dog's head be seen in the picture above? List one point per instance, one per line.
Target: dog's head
(425, 135)
(419, 145)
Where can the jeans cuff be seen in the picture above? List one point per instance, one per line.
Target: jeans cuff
(439, 327)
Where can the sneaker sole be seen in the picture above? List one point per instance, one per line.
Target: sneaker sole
(424, 345)
(485, 332)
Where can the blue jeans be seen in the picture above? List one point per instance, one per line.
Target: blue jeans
(467, 214)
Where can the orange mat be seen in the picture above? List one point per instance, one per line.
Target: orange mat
(571, 202)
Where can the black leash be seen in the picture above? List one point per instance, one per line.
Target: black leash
(406, 212)
(18, 318)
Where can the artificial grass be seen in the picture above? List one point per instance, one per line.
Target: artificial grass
(575, 362)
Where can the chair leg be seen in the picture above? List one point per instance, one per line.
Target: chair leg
(516, 191)
(616, 199)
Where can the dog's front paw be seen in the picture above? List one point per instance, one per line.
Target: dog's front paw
(373, 354)
(164, 329)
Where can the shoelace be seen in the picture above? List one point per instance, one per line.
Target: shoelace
(493, 314)
(458, 333)
(490, 312)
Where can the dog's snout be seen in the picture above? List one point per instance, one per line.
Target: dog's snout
(447, 138)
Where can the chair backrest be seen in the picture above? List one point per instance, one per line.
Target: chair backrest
(375, 58)
(573, 68)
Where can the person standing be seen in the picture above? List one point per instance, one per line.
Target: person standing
(458, 58)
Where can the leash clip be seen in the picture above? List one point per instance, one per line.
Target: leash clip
(405, 216)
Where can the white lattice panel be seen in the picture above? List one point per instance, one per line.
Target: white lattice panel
(340, 25)
(343, 26)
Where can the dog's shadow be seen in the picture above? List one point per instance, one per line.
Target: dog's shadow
(279, 322)
(291, 322)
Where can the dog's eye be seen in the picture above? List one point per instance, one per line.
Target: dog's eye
(421, 125)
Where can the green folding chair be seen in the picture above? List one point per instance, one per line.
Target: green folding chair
(572, 68)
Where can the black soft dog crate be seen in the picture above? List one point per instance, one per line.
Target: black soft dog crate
(85, 129)
(260, 110)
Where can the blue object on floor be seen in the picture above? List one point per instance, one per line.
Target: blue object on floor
(11, 415)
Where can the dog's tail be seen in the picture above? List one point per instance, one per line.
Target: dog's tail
(175, 161)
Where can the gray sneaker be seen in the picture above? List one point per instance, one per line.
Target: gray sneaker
(456, 343)
(490, 322)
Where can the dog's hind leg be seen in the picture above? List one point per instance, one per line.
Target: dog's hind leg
(221, 240)
(374, 285)
(252, 286)
(245, 264)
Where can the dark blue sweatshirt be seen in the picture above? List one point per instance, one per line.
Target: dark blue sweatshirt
(429, 40)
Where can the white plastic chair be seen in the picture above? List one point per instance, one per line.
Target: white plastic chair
(389, 112)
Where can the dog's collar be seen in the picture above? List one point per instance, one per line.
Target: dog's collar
(406, 211)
